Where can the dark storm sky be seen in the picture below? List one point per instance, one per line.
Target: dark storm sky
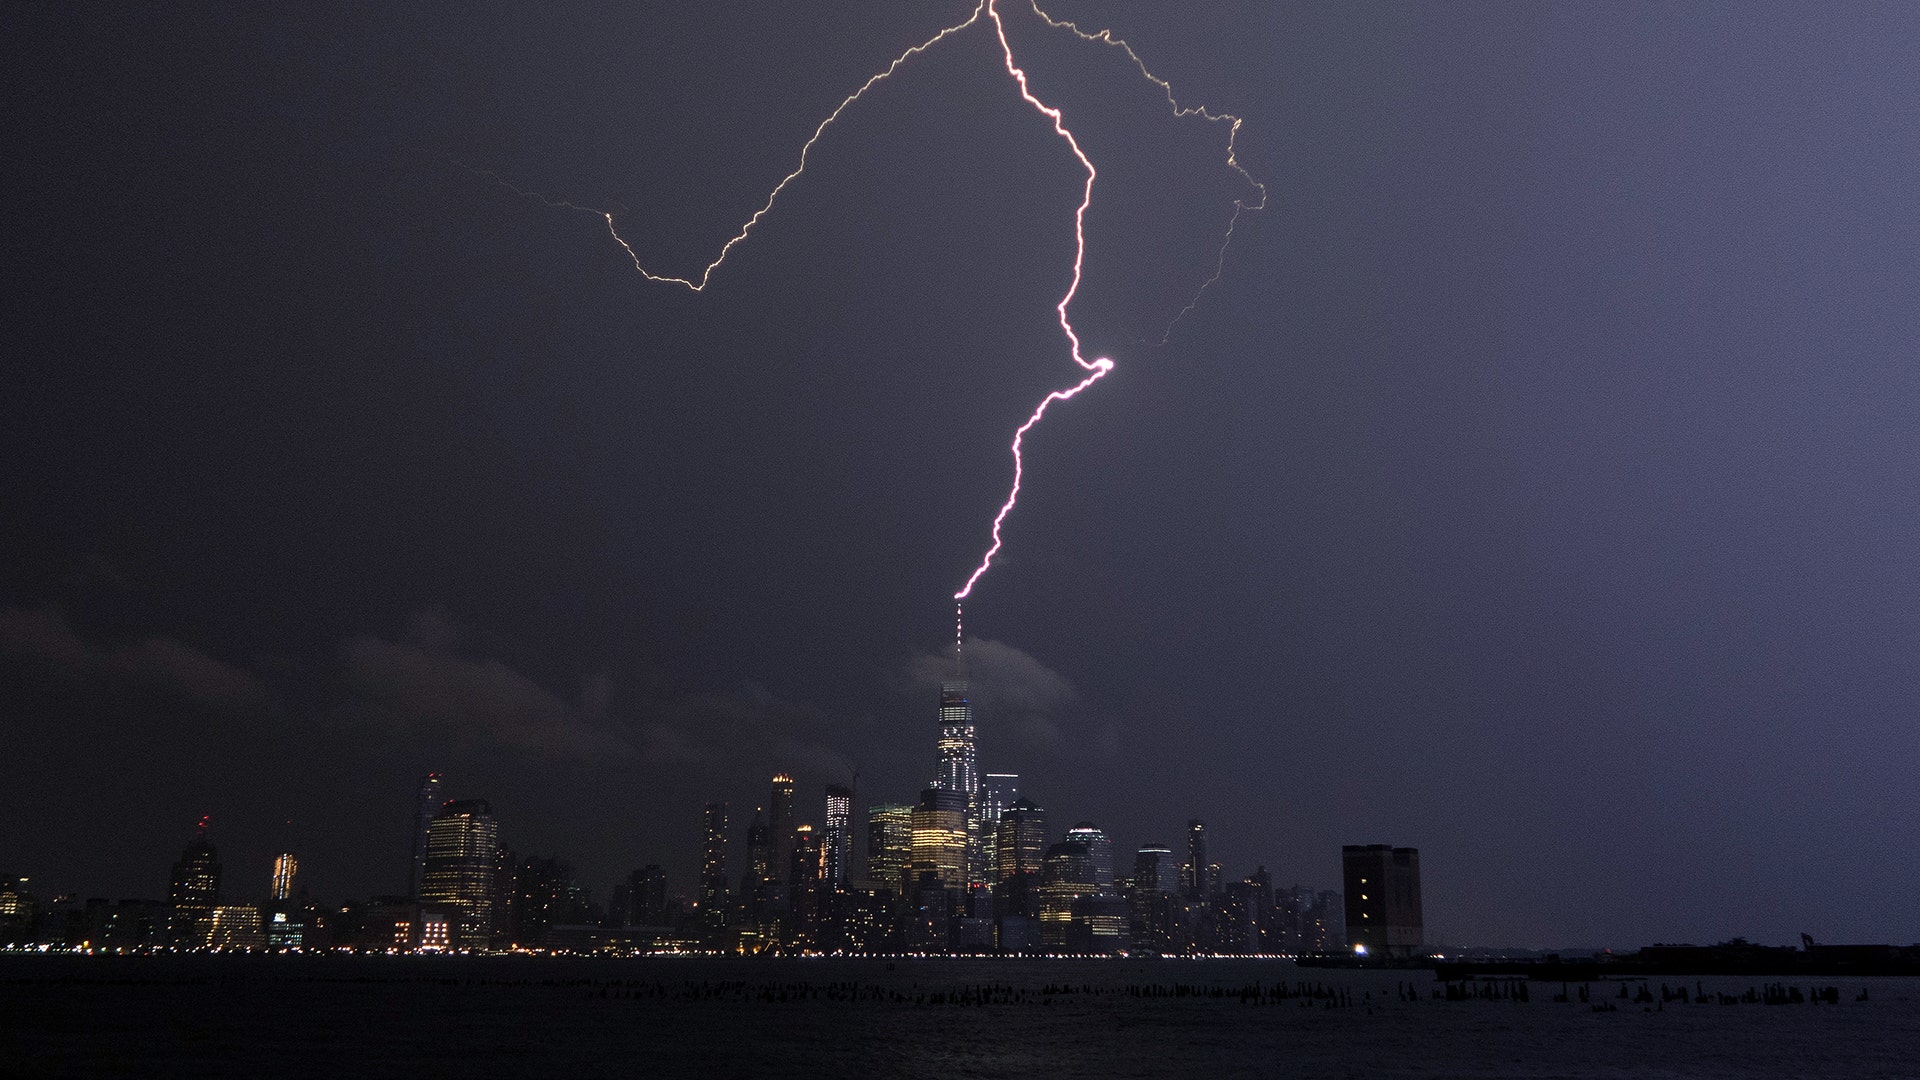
(1536, 487)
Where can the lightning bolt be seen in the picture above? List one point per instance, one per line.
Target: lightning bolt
(1180, 112)
(1095, 369)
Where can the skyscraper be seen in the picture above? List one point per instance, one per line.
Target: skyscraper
(780, 824)
(958, 770)
(890, 846)
(804, 885)
(940, 837)
(1154, 869)
(1197, 875)
(759, 857)
(835, 842)
(1383, 899)
(545, 894)
(997, 792)
(196, 888)
(1246, 918)
(463, 854)
(285, 866)
(1021, 840)
(1066, 875)
(713, 871)
(426, 804)
(647, 896)
(1156, 882)
(1099, 849)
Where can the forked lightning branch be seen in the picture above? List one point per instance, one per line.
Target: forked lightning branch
(987, 14)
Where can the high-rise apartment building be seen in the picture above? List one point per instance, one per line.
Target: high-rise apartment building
(426, 804)
(461, 871)
(1383, 899)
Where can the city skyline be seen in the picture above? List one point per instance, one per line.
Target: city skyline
(967, 869)
(1532, 488)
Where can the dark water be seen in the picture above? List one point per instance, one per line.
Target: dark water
(421, 1017)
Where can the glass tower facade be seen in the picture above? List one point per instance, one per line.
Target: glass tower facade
(940, 837)
(997, 792)
(1099, 849)
(463, 852)
(285, 866)
(958, 769)
(1021, 839)
(890, 846)
(957, 765)
(835, 842)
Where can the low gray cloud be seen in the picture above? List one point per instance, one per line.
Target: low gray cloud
(422, 682)
(161, 663)
(717, 727)
(45, 634)
(1023, 696)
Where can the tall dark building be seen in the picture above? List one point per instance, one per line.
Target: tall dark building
(196, 888)
(1197, 876)
(426, 804)
(647, 896)
(758, 879)
(1247, 915)
(713, 870)
(462, 869)
(804, 899)
(1156, 884)
(836, 842)
(1383, 899)
(780, 825)
(545, 895)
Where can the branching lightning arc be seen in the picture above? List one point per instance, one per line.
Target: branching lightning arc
(1096, 368)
